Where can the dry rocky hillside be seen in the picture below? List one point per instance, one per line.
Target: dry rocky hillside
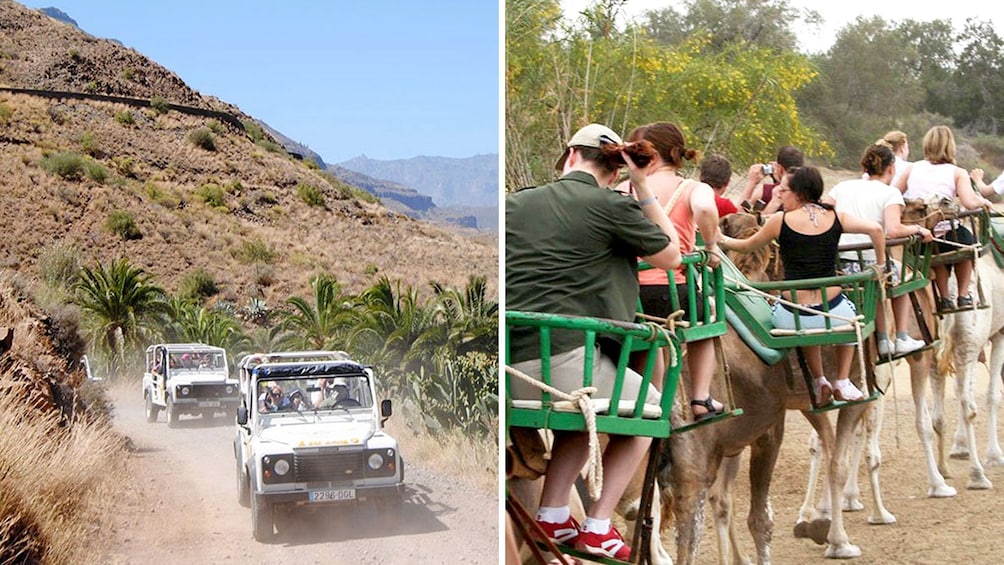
(257, 220)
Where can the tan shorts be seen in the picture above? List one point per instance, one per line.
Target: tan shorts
(566, 376)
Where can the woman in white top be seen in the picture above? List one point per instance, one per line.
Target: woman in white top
(900, 146)
(938, 176)
(873, 199)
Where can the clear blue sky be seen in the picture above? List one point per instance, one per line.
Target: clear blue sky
(388, 79)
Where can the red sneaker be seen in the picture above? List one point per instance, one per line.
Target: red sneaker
(564, 533)
(610, 544)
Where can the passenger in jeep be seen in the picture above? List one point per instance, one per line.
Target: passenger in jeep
(274, 401)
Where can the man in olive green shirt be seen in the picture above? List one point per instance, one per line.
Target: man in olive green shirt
(572, 247)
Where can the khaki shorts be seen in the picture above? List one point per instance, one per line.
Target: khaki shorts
(566, 376)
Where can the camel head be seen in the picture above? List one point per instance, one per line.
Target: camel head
(929, 212)
(759, 266)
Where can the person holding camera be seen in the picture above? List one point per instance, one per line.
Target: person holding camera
(572, 248)
(760, 196)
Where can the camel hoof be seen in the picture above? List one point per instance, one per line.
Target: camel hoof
(816, 530)
(959, 452)
(979, 482)
(884, 518)
(852, 505)
(941, 491)
(994, 460)
(842, 551)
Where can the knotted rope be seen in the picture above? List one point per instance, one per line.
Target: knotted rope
(579, 397)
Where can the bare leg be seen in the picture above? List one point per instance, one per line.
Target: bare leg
(568, 455)
(701, 362)
(900, 313)
(620, 459)
(963, 274)
(941, 280)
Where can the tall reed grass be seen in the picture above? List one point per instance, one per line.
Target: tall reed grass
(56, 486)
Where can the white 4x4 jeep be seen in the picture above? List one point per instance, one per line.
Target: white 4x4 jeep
(187, 378)
(310, 433)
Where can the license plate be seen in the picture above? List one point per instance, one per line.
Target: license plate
(333, 495)
(209, 404)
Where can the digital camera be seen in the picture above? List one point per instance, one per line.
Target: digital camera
(768, 170)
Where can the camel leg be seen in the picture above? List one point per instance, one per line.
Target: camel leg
(763, 458)
(722, 501)
(814, 520)
(938, 419)
(993, 456)
(690, 484)
(920, 367)
(850, 500)
(968, 411)
(872, 422)
(840, 546)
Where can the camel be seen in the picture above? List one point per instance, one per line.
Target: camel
(966, 334)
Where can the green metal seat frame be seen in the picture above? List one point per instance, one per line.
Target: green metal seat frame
(707, 318)
(754, 310)
(631, 336)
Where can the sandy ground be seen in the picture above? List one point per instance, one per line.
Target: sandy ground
(964, 529)
(180, 506)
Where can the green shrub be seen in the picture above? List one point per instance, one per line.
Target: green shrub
(89, 144)
(128, 73)
(216, 127)
(68, 165)
(371, 269)
(121, 223)
(160, 104)
(197, 285)
(270, 146)
(5, 114)
(255, 251)
(234, 187)
(310, 194)
(124, 166)
(95, 171)
(75, 55)
(91, 87)
(212, 194)
(254, 130)
(59, 264)
(161, 196)
(125, 118)
(203, 138)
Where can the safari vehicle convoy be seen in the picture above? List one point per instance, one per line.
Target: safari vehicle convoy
(187, 378)
(310, 434)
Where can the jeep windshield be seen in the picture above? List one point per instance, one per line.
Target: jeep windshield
(195, 361)
(299, 394)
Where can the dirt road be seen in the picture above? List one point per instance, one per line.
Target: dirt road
(179, 505)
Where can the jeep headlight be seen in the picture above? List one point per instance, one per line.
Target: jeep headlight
(185, 390)
(230, 389)
(281, 467)
(375, 461)
(381, 462)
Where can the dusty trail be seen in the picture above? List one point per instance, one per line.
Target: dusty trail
(179, 505)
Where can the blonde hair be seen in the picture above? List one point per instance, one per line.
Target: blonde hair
(939, 145)
(896, 139)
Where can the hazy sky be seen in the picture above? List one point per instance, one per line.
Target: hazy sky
(388, 79)
(836, 14)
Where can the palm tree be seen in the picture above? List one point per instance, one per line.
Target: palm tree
(123, 308)
(190, 322)
(471, 318)
(323, 324)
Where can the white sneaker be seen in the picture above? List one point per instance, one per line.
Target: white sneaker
(908, 344)
(844, 389)
(885, 348)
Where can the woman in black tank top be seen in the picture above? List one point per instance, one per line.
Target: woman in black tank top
(808, 233)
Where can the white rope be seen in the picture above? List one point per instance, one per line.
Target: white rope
(854, 322)
(579, 397)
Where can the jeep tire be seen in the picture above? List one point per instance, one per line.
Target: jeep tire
(152, 410)
(262, 518)
(243, 489)
(172, 413)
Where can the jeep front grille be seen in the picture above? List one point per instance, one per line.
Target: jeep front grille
(328, 466)
(203, 391)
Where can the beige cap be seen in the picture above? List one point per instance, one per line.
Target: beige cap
(593, 135)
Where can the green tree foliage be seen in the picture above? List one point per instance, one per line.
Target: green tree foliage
(760, 23)
(187, 322)
(979, 79)
(122, 309)
(735, 99)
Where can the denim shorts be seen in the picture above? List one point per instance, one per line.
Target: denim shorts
(839, 306)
